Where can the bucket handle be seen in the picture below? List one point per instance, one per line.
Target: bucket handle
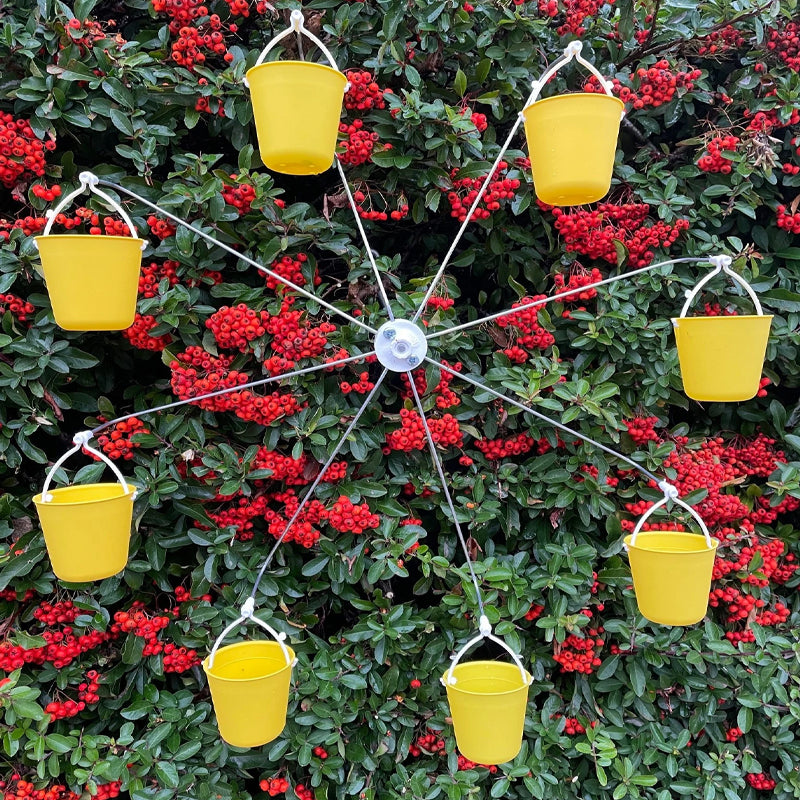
(82, 440)
(296, 26)
(572, 50)
(662, 502)
(721, 264)
(245, 614)
(88, 180)
(484, 632)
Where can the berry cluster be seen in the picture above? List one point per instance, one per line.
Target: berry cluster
(43, 193)
(445, 432)
(651, 87)
(118, 441)
(20, 308)
(263, 410)
(478, 120)
(465, 191)
(160, 228)
(63, 613)
(642, 430)
(25, 790)
(733, 734)
(240, 196)
(572, 726)
(291, 269)
(769, 120)
(372, 213)
(358, 143)
(196, 372)
(139, 336)
(138, 622)
(87, 695)
(235, 327)
(61, 648)
(153, 273)
(362, 386)
(593, 233)
(303, 792)
(715, 161)
(446, 398)
(788, 221)
(21, 152)
(273, 786)
(294, 340)
(440, 303)
(530, 335)
(723, 40)
(760, 780)
(498, 449)
(785, 43)
(364, 93)
(179, 659)
(345, 516)
(87, 33)
(578, 278)
(578, 654)
(432, 744)
(576, 13)
(534, 612)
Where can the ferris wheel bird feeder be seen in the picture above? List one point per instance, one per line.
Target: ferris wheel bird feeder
(86, 527)
(572, 138)
(671, 569)
(92, 281)
(722, 357)
(297, 106)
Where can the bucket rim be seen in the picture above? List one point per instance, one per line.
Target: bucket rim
(502, 664)
(601, 96)
(643, 536)
(37, 499)
(742, 317)
(295, 63)
(88, 236)
(209, 671)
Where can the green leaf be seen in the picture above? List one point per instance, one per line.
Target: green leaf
(167, 774)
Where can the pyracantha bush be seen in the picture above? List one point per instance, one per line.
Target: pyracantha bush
(102, 692)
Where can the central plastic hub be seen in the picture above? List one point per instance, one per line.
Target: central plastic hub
(400, 345)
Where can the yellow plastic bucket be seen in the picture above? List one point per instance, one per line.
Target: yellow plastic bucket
(87, 529)
(722, 358)
(297, 106)
(487, 705)
(249, 684)
(92, 280)
(572, 140)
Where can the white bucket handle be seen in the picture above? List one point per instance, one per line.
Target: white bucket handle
(485, 632)
(247, 614)
(662, 502)
(721, 264)
(89, 181)
(572, 50)
(296, 26)
(82, 440)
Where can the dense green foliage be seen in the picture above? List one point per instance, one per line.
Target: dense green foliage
(369, 612)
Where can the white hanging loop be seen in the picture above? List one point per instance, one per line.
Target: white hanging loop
(296, 25)
(721, 264)
(664, 500)
(572, 50)
(88, 182)
(247, 613)
(484, 632)
(82, 440)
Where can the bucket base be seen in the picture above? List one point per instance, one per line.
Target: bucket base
(293, 163)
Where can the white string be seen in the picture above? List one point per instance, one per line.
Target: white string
(559, 296)
(360, 226)
(285, 281)
(547, 419)
(220, 392)
(440, 469)
(308, 495)
(467, 220)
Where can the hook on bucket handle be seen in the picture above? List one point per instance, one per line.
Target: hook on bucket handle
(88, 180)
(670, 494)
(82, 440)
(484, 632)
(572, 50)
(721, 264)
(245, 614)
(296, 26)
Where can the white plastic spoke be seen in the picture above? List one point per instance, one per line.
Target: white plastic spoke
(465, 223)
(360, 226)
(548, 420)
(220, 392)
(285, 281)
(440, 469)
(310, 493)
(560, 295)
